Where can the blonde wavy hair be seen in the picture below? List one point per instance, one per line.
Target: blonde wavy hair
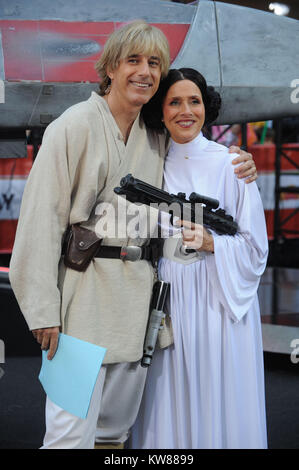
(137, 37)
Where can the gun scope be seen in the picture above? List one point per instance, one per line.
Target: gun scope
(207, 201)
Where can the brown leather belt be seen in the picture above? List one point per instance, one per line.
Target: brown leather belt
(125, 253)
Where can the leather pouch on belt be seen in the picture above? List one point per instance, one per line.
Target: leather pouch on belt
(80, 246)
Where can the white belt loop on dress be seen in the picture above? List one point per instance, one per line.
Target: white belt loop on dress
(174, 250)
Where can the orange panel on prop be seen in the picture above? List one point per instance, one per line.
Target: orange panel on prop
(64, 51)
(17, 166)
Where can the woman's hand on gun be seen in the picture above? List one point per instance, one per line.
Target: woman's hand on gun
(195, 236)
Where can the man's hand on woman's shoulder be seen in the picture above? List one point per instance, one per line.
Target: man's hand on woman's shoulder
(247, 169)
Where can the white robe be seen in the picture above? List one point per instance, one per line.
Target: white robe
(207, 390)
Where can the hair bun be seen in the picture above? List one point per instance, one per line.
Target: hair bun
(214, 100)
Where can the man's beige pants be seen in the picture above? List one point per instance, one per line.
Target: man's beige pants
(112, 412)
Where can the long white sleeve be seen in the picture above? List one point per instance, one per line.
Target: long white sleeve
(239, 261)
(43, 219)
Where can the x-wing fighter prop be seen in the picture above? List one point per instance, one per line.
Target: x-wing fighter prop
(48, 51)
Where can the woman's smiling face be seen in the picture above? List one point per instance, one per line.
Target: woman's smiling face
(183, 111)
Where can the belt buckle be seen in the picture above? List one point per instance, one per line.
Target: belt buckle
(130, 253)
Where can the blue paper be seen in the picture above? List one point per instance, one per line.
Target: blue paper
(69, 378)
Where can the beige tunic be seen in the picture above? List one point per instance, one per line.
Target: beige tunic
(81, 160)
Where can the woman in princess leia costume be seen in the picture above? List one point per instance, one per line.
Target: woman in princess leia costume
(207, 389)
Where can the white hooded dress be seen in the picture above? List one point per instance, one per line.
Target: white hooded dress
(207, 390)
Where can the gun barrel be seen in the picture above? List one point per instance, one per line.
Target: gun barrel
(147, 194)
(208, 201)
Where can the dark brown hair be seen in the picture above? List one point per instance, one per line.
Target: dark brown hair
(152, 111)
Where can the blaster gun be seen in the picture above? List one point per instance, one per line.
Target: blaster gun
(139, 191)
(155, 321)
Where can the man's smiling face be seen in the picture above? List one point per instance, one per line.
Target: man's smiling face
(136, 79)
